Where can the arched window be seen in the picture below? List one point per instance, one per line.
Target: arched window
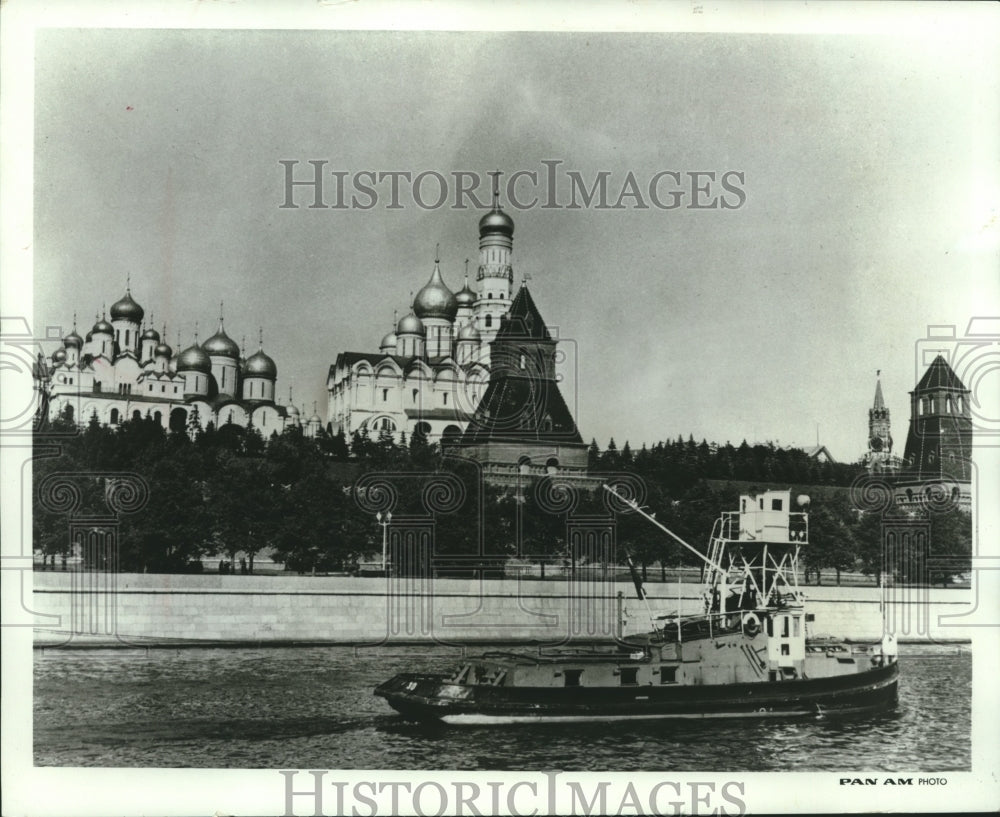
(178, 419)
(97, 385)
(158, 416)
(489, 321)
(551, 465)
(136, 415)
(114, 417)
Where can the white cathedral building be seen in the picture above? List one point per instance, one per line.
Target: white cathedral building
(124, 370)
(433, 367)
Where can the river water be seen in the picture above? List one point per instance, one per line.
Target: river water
(312, 707)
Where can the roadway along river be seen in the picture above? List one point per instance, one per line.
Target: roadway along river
(313, 708)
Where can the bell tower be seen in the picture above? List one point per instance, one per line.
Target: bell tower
(495, 276)
(879, 457)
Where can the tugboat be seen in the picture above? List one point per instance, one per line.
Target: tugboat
(748, 654)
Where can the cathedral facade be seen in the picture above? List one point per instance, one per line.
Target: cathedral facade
(432, 368)
(124, 370)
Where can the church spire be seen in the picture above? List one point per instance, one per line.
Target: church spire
(879, 401)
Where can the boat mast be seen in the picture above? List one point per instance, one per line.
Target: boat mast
(635, 507)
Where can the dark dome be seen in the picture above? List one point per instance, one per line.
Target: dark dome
(410, 325)
(435, 300)
(221, 344)
(151, 334)
(465, 296)
(260, 365)
(59, 355)
(194, 359)
(73, 339)
(102, 326)
(127, 309)
(496, 221)
(162, 350)
(389, 340)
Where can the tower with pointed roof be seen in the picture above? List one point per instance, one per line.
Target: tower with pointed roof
(522, 427)
(939, 440)
(880, 457)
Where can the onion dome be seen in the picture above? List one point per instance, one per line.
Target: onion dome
(127, 309)
(73, 340)
(410, 325)
(59, 356)
(260, 365)
(222, 345)
(388, 342)
(292, 412)
(465, 296)
(194, 359)
(151, 334)
(469, 332)
(435, 300)
(102, 327)
(496, 221)
(162, 350)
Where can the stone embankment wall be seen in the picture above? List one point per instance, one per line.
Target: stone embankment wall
(88, 609)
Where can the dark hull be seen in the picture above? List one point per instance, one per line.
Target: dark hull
(430, 697)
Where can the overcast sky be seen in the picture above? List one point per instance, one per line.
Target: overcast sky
(870, 181)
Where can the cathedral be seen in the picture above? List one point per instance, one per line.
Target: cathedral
(433, 366)
(125, 370)
(473, 370)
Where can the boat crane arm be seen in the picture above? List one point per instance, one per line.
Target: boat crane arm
(635, 506)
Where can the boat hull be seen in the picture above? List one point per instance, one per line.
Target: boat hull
(432, 697)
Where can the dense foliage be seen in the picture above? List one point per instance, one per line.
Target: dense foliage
(229, 492)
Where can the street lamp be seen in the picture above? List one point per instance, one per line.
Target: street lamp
(384, 522)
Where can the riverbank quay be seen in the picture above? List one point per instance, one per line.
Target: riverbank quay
(81, 609)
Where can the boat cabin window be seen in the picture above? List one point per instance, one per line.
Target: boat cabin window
(784, 626)
(775, 504)
(784, 649)
(629, 676)
(571, 677)
(770, 626)
(668, 675)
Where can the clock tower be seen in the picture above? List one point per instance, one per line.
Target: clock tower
(879, 456)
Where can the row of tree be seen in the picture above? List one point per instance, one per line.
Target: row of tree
(313, 507)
